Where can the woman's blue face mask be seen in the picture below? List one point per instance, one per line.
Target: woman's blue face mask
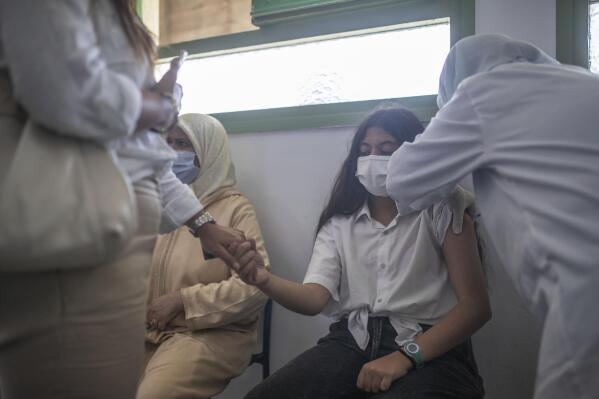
(185, 168)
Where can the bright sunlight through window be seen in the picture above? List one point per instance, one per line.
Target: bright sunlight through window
(391, 62)
(594, 37)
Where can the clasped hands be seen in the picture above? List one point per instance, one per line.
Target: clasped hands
(241, 256)
(234, 249)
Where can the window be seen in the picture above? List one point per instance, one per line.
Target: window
(578, 33)
(594, 37)
(316, 62)
(381, 64)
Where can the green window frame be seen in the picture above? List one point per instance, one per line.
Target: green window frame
(267, 11)
(303, 19)
(572, 39)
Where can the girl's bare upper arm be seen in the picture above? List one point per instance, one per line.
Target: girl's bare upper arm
(463, 262)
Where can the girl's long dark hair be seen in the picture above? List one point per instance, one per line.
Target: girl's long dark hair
(138, 35)
(348, 194)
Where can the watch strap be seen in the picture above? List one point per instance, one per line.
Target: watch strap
(200, 221)
(410, 358)
(415, 355)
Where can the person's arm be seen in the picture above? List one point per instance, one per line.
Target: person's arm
(473, 309)
(157, 109)
(231, 300)
(60, 77)
(181, 207)
(308, 299)
(451, 147)
(470, 313)
(320, 285)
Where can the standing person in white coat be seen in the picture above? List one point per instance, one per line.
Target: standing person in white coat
(82, 68)
(527, 128)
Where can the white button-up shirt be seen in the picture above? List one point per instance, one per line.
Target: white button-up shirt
(73, 70)
(396, 271)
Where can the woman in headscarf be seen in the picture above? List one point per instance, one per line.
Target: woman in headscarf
(526, 128)
(202, 319)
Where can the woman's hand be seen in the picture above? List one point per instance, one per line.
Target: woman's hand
(169, 80)
(216, 239)
(251, 264)
(168, 85)
(160, 112)
(164, 309)
(379, 374)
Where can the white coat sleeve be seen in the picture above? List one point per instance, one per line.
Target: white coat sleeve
(179, 203)
(59, 74)
(426, 171)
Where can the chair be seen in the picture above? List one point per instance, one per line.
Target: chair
(263, 357)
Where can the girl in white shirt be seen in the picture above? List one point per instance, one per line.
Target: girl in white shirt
(407, 290)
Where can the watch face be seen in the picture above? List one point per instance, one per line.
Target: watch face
(412, 347)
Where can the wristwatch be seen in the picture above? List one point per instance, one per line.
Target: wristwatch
(412, 350)
(200, 221)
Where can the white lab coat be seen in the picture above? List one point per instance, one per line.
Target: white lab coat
(527, 129)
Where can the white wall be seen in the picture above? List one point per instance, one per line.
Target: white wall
(288, 175)
(530, 20)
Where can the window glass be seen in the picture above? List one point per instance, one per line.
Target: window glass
(391, 62)
(594, 37)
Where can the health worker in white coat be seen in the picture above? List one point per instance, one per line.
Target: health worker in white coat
(527, 128)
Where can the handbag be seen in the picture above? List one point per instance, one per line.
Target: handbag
(64, 202)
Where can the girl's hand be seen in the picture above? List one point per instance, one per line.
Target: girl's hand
(251, 264)
(379, 374)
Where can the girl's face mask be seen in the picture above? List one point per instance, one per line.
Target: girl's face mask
(185, 168)
(372, 173)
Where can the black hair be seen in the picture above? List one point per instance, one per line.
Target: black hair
(348, 193)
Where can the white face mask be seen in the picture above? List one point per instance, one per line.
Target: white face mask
(372, 173)
(184, 167)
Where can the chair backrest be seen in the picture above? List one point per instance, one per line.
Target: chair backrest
(263, 357)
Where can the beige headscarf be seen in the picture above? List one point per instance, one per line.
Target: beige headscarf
(216, 179)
